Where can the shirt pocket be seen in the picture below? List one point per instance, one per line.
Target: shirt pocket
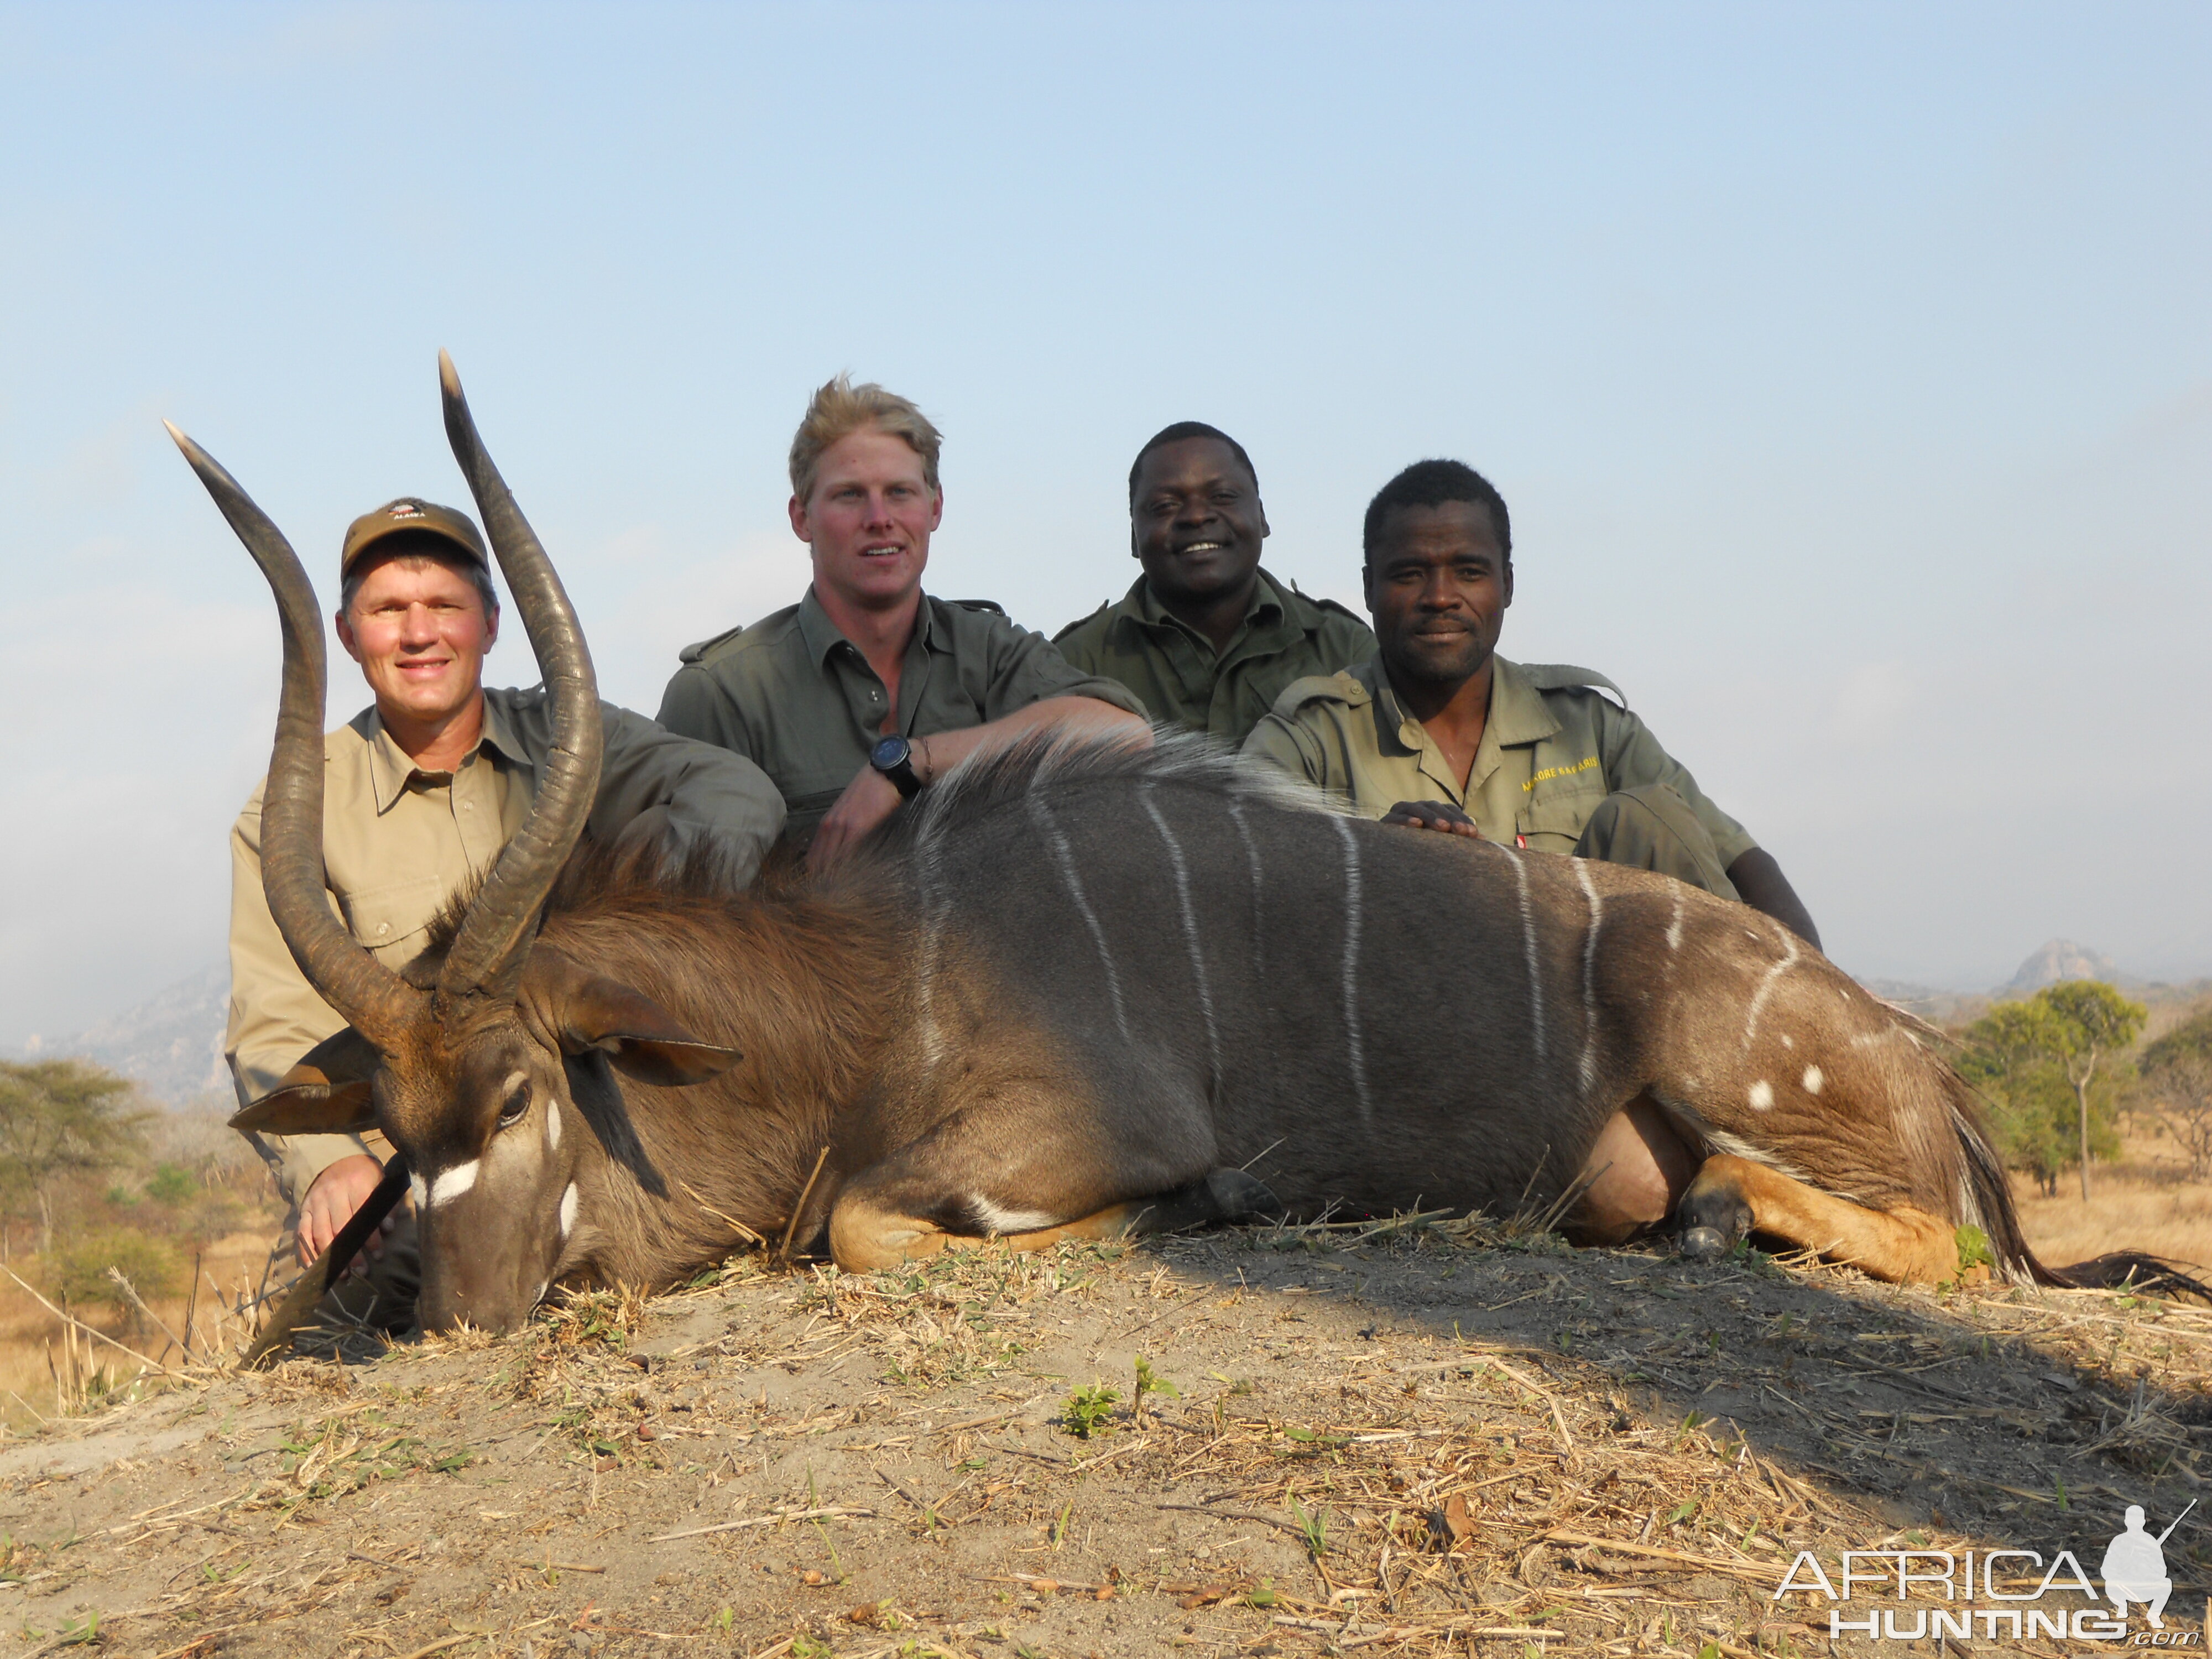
(1552, 820)
(394, 921)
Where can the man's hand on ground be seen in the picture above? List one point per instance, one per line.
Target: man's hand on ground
(867, 801)
(1432, 815)
(332, 1198)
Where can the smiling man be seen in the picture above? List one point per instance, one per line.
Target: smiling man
(422, 789)
(1205, 637)
(868, 689)
(1439, 733)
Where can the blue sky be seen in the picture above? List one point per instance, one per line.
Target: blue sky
(1848, 371)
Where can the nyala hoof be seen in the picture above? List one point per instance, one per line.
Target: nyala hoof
(1240, 1197)
(1704, 1244)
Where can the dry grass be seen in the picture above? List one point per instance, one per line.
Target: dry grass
(2142, 1202)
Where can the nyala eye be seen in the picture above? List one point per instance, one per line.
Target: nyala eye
(517, 1104)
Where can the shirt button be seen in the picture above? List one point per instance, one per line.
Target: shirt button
(468, 806)
(382, 929)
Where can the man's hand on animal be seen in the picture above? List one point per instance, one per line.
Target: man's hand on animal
(1432, 815)
(329, 1205)
(867, 801)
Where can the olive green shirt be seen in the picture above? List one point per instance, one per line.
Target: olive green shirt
(1284, 637)
(795, 697)
(1553, 747)
(397, 842)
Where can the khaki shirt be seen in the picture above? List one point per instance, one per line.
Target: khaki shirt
(397, 842)
(1553, 749)
(796, 698)
(1284, 637)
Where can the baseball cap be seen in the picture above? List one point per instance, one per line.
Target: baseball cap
(410, 516)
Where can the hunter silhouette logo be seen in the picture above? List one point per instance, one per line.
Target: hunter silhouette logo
(2134, 1570)
(2135, 1567)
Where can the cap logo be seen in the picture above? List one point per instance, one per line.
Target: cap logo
(404, 510)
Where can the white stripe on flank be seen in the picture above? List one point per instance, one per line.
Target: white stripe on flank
(1066, 858)
(1589, 976)
(925, 879)
(996, 1220)
(1790, 955)
(1259, 910)
(568, 1210)
(449, 1184)
(1189, 926)
(1675, 926)
(1354, 1049)
(1529, 943)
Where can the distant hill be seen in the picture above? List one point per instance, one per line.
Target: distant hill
(170, 1045)
(2062, 959)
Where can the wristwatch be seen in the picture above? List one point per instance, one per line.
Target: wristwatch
(894, 758)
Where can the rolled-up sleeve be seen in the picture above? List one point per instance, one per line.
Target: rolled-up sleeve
(275, 1016)
(705, 792)
(1633, 757)
(1027, 668)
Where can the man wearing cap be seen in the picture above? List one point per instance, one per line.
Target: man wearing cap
(868, 689)
(422, 789)
(1204, 636)
(1439, 733)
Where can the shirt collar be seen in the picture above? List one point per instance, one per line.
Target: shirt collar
(1518, 714)
(1142, 605)
(390, 770)
(823, 636)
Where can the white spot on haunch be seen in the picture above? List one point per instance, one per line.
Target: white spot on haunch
(1789, 1041)
(1674, 925)
(996, 1220)
(568, 1210)
(1189, 926)
(552, 1126)
(419, 1189)
(1813, 1080)
(1065, 857)
(449, 1184)
(1590, 975)
(1762, 1095)
(1354, 1050)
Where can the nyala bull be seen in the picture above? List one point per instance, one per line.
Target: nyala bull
(1073, 991)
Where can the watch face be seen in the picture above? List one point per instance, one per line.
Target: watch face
(888, 753)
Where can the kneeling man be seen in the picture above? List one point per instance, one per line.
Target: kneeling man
(422, 789)
(868, 689)
(1440, 732)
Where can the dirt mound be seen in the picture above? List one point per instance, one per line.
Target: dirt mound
(1407, 1441)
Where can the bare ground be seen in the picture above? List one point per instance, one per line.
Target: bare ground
(1419, 1440)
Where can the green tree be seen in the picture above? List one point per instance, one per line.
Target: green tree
(59, 1117)
(2177, 1071)
(2048, 1064)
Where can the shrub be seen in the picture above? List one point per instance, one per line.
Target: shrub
(77, 1269)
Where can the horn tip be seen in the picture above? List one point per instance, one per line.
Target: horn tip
(448, 376)
(177, 437)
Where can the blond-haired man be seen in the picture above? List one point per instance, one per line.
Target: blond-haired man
(868, 689)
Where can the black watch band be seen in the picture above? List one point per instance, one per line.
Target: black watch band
(894, 758)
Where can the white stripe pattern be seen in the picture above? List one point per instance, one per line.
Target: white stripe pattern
(1259, 910)
(1790, 956)
(1355, 1050)
(1529, 943)
(1061, 852)
(1589, 976)
(1189, 926)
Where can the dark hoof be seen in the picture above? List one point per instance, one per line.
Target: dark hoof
(1705, 1243)
(1240, 1197)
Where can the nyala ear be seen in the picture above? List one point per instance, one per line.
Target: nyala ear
(590, 1012)
(327, 1093)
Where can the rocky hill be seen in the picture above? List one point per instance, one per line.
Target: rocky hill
(170, 1045)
